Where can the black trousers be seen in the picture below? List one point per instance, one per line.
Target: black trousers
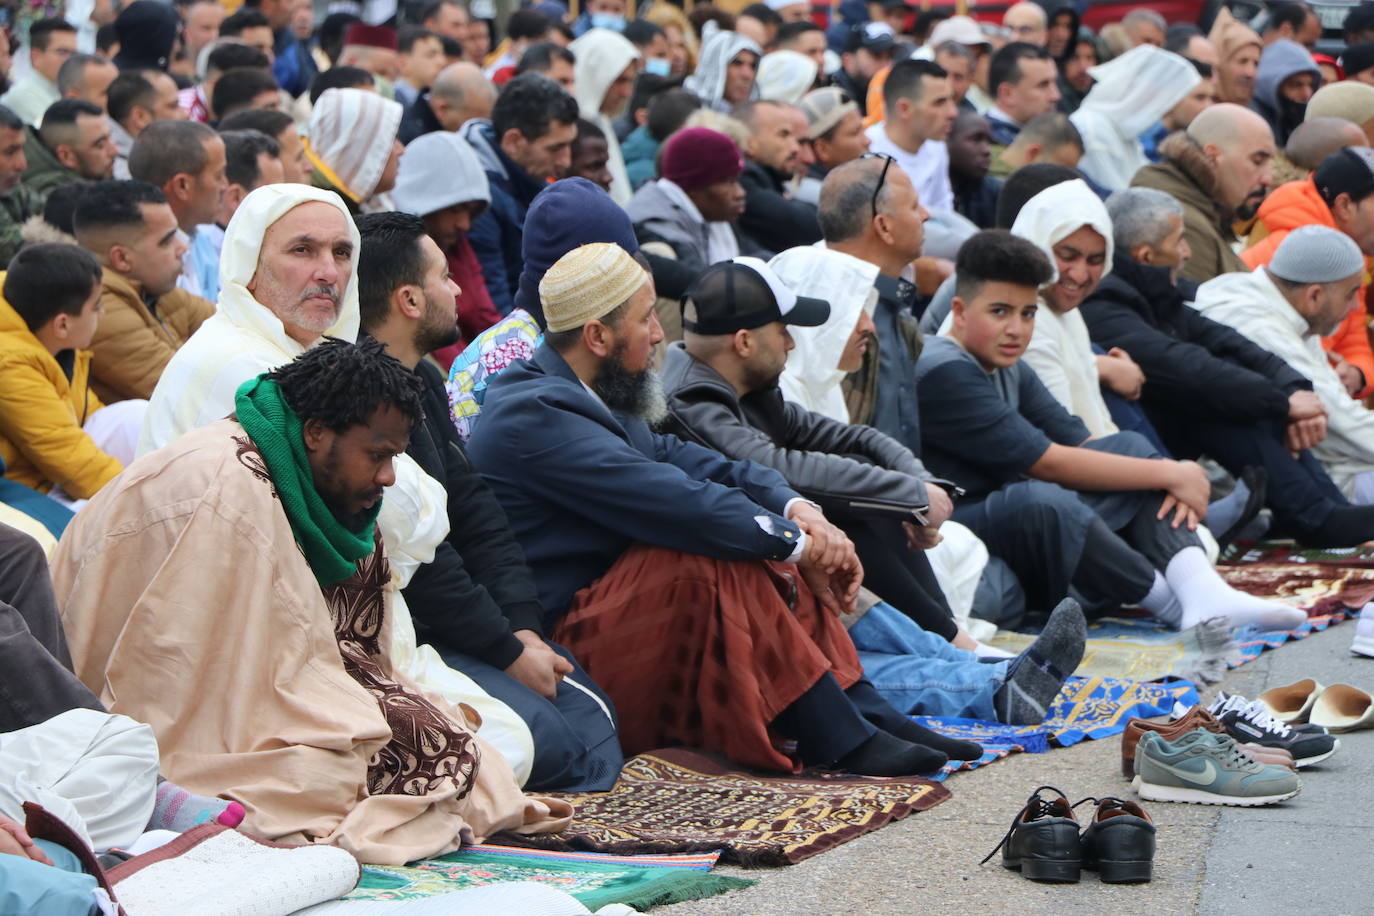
(36, 681)
(1102, 546)
(899, 576)
(828, 722)
(1300, 493)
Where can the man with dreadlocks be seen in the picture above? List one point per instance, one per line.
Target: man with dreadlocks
(231, 591)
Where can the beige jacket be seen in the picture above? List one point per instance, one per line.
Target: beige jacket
(133, 343)
(188, 606)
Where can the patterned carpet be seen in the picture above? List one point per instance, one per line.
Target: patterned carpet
(679, 801)
(1087, 708)
(595, 880)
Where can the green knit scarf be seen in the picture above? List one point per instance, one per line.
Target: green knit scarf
(331, 549)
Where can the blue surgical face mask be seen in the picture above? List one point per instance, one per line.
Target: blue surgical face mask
(607, 21)
(658, 66)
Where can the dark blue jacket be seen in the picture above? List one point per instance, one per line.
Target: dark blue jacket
(497, 234)
(294, 67)
(581, 485)
(1003, 132)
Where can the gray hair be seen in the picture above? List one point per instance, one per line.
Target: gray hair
(1141, 216)
(1143, 15)
(957, 49)
(846, 205)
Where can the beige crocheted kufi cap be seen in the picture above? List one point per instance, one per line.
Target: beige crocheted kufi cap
(588, 283)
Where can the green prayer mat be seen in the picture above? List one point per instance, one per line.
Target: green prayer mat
(594, 879)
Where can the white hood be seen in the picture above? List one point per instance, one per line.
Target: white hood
(1132, 93)
(812, 376)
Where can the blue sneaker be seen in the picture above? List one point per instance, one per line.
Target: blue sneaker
(1203, 768)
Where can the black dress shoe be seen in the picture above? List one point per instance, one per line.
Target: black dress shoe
(1042, 842)
(1119, 844)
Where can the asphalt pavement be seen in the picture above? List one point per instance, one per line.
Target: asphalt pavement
(1306, 856)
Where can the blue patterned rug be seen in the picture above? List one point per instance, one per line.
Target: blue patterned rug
(1086, 709)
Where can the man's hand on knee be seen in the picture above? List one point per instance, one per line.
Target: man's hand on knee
(539, 668)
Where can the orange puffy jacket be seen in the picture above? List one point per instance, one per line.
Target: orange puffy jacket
(1292, 206)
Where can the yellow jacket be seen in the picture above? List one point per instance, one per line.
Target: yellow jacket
(132, 344)
(42, 412)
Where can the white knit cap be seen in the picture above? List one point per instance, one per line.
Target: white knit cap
(1316, 254)
(351, 133)
(587, 283)
(439, 170)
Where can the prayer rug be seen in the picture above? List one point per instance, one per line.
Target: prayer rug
(681, 801)
(595, 880)
(1330, 585)
(1086, 709)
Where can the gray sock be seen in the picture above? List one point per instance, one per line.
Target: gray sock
(1035, 676)
(1225, 512)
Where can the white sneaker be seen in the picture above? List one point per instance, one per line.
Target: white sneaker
(1364, 632)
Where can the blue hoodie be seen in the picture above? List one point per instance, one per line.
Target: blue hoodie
(497, 235)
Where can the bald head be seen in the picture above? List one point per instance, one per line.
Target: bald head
(1318, 138)
(1239, 148)
(460, 93)
(1225, 124)
(1027, 22)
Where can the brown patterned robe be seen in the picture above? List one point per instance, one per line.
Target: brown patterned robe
(425, 749)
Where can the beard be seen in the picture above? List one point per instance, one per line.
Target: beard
(438, 329)
(639, 394)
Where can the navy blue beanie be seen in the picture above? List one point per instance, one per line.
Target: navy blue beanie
(147, 31)
(564, 216)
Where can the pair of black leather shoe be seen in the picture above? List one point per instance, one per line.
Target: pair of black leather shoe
(1044, 842)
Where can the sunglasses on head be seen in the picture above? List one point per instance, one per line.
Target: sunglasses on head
(882, 177)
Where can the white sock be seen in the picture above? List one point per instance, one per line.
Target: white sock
(1162, 602)
(1203, 594)
(984, 650)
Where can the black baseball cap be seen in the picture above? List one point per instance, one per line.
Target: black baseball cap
(875, 37)
(743, 294)
(1346, 171)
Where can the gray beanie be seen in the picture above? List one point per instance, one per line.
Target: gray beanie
(1316, 254)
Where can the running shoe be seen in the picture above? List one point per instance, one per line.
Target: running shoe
(1249, 722)
(1203, 768)
(1364, 632)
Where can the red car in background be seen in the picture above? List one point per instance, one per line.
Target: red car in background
(1095, 14)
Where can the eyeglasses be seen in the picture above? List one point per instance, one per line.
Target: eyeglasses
(882, 178)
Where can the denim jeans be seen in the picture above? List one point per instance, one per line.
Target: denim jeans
(921, 673)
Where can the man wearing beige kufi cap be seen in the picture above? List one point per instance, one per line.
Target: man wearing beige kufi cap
(698, 591)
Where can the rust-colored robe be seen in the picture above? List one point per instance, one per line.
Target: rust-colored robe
(188, 606)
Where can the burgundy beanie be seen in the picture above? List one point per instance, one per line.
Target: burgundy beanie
(371, 36)
(698, 157)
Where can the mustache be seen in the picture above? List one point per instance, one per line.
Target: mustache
(331, 291)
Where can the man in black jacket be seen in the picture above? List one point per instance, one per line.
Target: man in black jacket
(1208, 390)
(722, 383)
(476, 600)
(771, 219)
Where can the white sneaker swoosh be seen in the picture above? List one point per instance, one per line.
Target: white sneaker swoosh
(1206, 778)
